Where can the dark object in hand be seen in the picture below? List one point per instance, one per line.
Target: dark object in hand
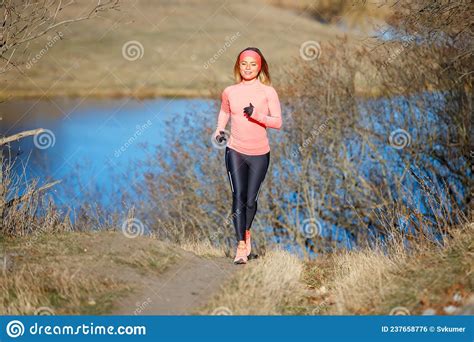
(221, 137)
(249, 110)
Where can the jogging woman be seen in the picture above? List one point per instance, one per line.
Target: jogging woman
(252, 105)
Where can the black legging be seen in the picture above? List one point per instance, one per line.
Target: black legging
(246, 174)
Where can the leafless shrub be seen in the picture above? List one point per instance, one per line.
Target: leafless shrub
(367, 134)
(22, 22)
(24, 207)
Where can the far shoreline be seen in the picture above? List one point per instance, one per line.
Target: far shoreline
(108, 94)
(147, 94)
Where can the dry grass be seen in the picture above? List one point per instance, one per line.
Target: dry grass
(203, 248)
(362, 281)
(262, 287)
(353, 13)
(77, 272)
(375, 282)
(177, 41)
(23, 207)
(152, 260)
(62, 290)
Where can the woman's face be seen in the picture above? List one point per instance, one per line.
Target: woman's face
(248, 68)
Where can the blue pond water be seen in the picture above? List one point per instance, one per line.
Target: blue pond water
(90, 144)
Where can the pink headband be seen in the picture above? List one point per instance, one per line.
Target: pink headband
(251, 53)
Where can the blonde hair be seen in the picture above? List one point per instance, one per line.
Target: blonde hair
(263, 74)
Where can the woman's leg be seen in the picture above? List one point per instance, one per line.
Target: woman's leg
(258, 166)
(237, 172)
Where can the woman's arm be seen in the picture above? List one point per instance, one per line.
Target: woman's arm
(273, 121)
(224, 112)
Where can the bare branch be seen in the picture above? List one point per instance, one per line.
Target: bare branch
(20, 135)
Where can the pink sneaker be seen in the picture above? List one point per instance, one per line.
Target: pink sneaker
(241, 255)
(247, 242)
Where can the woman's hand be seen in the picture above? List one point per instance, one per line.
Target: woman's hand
(219, 136)
(249, 110)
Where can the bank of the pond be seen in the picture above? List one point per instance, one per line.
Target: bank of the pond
(106, 272)
(432, 280)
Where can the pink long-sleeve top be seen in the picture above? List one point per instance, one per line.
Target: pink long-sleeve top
(248, 135)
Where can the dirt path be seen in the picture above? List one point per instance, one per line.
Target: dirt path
(119, 275)
(179, 290)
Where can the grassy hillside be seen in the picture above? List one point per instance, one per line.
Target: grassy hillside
(183, 48)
